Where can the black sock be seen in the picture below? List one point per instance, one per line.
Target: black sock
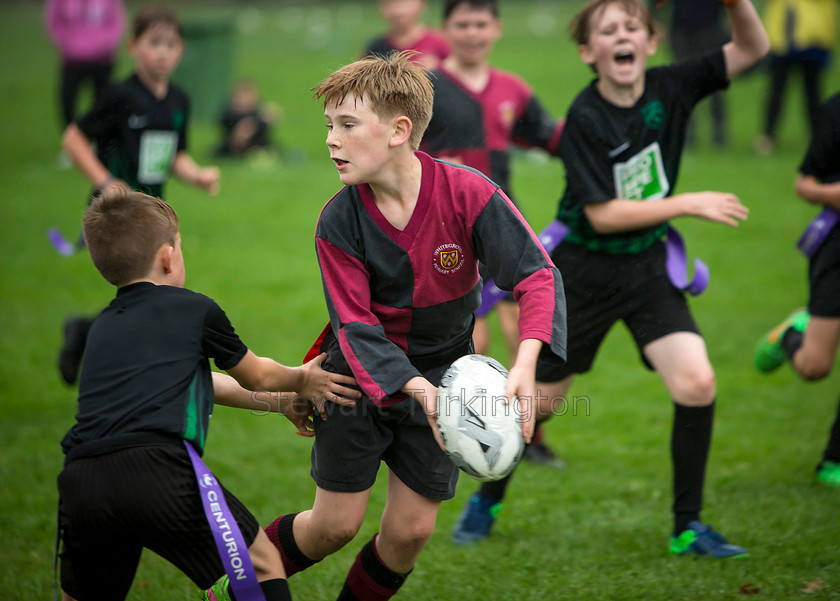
(496, 489)
(273, 590)
(690, 442)
(276, 590)
(832, 450)
(791, 342)
(369, 579)
(280, 533)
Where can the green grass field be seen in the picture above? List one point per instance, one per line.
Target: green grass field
(597, 530)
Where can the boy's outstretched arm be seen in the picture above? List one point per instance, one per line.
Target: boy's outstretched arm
(625, 215)
(308, 380)
(187, 170)
(297, 410)
(812, 190)
(749, 39)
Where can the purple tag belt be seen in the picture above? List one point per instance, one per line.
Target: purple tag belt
(232, 548)
(816, 232)
(675, 264)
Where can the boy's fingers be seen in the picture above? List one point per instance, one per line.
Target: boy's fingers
(347, 392)
(340, 400)
(340, 379)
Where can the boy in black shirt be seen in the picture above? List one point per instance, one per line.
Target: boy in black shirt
(808, 338)
(621, 147)
(146, 390)
(140, 131)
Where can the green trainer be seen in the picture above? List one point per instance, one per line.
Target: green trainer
(220, 591)
(829, 474)
(701, 539)
(769, 354)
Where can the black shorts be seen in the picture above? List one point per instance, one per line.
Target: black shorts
(602, 289)
(824, 277)
(350, 444)
(113, 505)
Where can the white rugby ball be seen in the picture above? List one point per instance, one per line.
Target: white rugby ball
(481, 433)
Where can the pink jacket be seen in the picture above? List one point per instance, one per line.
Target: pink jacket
(85, 31)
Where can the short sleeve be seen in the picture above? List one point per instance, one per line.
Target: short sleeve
(220, 341)
(103, 120)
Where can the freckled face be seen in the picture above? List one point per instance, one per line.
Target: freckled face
(358, 140)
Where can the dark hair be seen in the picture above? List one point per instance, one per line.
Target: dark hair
(450, 5)
(155, 14)
(124, 230)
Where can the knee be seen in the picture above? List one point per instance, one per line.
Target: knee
(410, 538)
(813, 370)
(695, 387)
(332, 536)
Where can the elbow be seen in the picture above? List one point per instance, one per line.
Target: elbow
(762, 47)
(604, 217)
(66, 137)
(599, 223)
(602, 227)
(72, 138)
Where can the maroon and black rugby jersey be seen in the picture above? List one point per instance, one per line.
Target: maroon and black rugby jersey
(478, 129)
(400, 300)
(431, 43)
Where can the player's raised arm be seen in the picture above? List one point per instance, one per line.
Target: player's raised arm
(749, 39)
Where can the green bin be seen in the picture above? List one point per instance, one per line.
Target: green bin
(206, 69)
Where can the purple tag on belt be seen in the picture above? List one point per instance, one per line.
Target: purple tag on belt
(676, 264)
(232, 548)
(814, 235)
(550, 238)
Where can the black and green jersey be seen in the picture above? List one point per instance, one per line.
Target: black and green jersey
(146, 367)
(137, 135)
(822, 160)
(631, 153)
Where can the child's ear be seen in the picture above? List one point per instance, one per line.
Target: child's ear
(586, 54)
(652, 44)
(164, 258)
(402, 131)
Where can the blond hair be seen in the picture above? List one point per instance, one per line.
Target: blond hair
(391, 85)
(124, 230)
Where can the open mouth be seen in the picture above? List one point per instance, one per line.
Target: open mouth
(625, 58)
(340, 162)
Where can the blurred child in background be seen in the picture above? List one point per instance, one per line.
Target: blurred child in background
(808, 338)
(406, 31)
(246, 121)
(140, 132)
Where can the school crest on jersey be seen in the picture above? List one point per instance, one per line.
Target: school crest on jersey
(507, 112)
(448, 258)
(654, 114)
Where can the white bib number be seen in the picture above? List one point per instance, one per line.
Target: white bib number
(157, 151)
(643, 176)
